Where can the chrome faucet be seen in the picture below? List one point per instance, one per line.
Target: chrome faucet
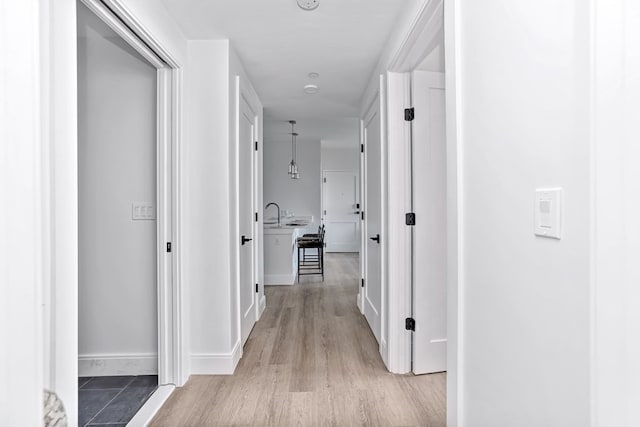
(277, 206)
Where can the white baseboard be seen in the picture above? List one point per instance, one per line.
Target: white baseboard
(151, 407)
(262, 306)
(99, 365)
(216, 364)
(280, 279)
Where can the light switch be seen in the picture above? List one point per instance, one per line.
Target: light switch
(142, 211)
(548, 213)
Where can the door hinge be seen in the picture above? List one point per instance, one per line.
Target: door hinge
(357, 205)
(410, 324)
(168, 246)
(256, 216)
(257, 289)
(410, 218)
(362, 213)
(362, 284)
(362, 148)
(256, 145)
(324, 179)
(325, 212)
(409, 114)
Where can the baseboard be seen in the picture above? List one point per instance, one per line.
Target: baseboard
(151, 407)
(262, 306)
(280, 279)
(99, 365)
(216, 364)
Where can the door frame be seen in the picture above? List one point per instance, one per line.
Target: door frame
(244, 91)
(60, 123)
(117, 17)
(434, 16)
(323, 202)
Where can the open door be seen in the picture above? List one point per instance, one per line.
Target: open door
(248, 291)
(373, 218)
(430, 230)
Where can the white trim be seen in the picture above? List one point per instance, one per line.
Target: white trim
(97, 365)
(363, 235)
(280, 279)
(216, 363)
(399, 202)
(151, 407)
(262, 306)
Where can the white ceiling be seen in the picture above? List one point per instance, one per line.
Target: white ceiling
(280, 44)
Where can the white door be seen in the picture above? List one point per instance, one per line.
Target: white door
(430, 231)
(341, 211)
(372, 219)
(247, 138)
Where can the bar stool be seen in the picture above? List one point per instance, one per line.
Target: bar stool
(311, 264)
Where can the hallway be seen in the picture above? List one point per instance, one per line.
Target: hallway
(310, 360)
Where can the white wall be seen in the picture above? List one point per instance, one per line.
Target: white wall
(210, 198)
(22, 218)
(524, 94)
(207, 193)
(301, 196)
(116, 168)
(341, 151)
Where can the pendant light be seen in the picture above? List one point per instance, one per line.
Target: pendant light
(293, 166)
(295, 174)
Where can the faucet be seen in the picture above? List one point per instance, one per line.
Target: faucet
(277, 206)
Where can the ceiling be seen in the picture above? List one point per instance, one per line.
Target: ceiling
(280, 44)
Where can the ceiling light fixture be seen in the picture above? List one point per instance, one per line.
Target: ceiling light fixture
(311, 89)
(308, 4)
(313, 75)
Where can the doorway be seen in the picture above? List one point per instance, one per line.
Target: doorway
(129, 342)
(341, 210)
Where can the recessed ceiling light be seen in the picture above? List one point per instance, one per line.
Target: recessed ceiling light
(313, 75)
(311, 89)
(308, 4)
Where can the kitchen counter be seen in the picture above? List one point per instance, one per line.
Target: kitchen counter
(280, 252)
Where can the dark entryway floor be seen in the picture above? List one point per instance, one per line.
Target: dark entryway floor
(112, 400)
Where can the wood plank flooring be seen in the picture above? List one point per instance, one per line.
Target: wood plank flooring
(311, 360)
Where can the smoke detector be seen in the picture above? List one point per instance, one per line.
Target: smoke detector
(308, 4)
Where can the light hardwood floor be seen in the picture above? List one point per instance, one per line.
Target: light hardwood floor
(311, 360)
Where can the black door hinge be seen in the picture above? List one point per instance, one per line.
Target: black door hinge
(410, 324)
(256, 145)
(168, 246)
(256, 216)
(409, 114)
(357, 205)
(362, 148)
(324, 179)
(362, 213)
(325, 212)
(362, 284)
(257, 289)
(410, 218)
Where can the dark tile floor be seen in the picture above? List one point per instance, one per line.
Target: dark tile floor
(112, 401)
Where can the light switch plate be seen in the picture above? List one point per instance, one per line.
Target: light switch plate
(143, 211)
(548, 213)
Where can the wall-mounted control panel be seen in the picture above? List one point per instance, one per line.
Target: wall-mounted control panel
(548, 213)
(143, 211)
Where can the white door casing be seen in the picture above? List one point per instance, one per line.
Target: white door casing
(429, 256)
(372, 137)
(247, 118)
(341, 212)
